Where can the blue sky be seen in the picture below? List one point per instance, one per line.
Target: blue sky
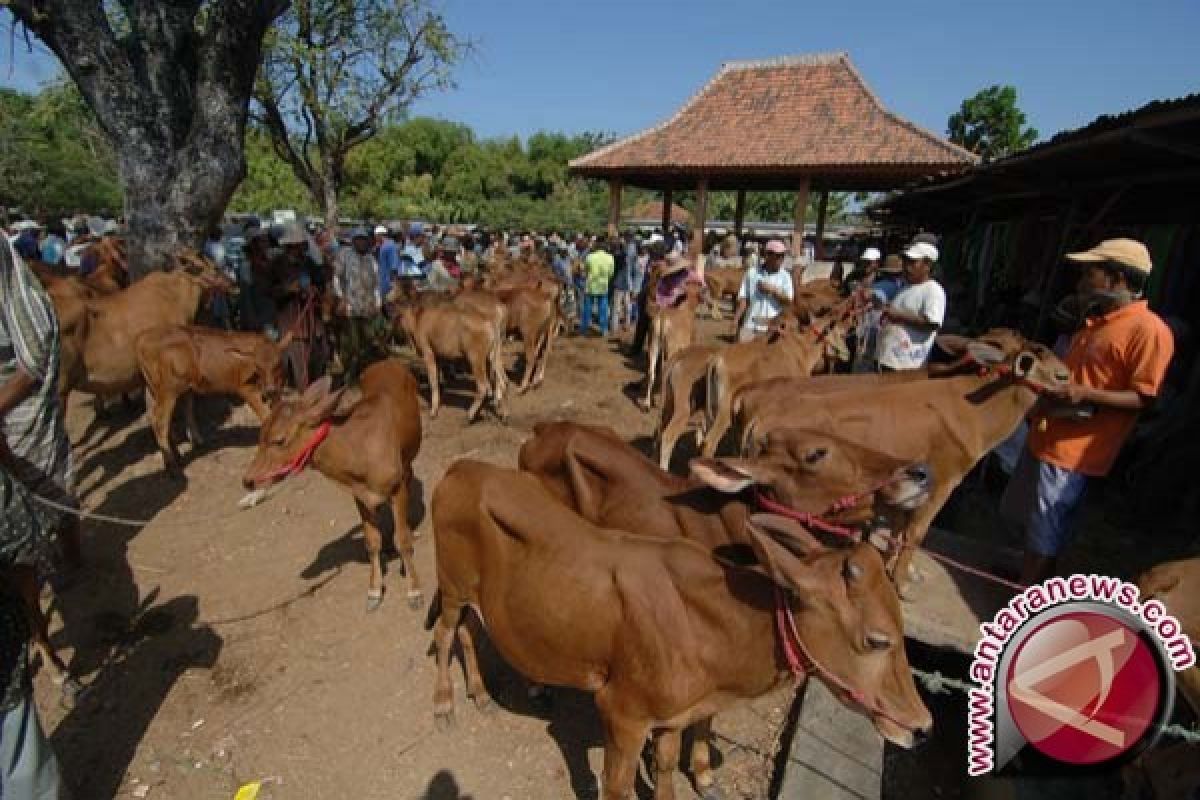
(621, 65)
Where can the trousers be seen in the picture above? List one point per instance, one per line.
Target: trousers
(598, 303)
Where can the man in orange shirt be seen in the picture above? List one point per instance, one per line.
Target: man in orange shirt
(1117, 362)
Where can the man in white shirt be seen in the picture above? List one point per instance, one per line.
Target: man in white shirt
(766, 291)
(911, 321)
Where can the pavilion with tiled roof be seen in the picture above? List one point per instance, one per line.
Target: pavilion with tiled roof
(800, 123)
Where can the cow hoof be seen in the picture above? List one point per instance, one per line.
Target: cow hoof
(70, 690)
(643, 405)
(540, 699)
(374, 601)
(416, 599)
(483, 703)
(444, 721)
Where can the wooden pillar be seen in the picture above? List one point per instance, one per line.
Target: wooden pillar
(798, 222)
(668, 202)
(739, 213)
(700, 218)
(614, 206)
(822, 207)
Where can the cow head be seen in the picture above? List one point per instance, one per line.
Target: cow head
(202, 270)
(291, 427)
(810, 471)
(848, 620)
(1006, 352)
(266, 364)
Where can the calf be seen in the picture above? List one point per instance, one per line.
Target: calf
(101, 354)
(787, 351)
(671, 330)
(661, 632)
(448, 331)
(602, 477)
(684, 391)
(722, 282)
(533, 316)
(186, 360)
(949, 423)
(363, 439)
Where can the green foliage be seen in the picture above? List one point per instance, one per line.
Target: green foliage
(53, 157)
(990, 125)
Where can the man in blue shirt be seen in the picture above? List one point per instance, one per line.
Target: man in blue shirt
(387, 252)
(412, 260)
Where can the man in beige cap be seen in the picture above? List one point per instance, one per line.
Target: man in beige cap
(765, 292)
(1117, 362)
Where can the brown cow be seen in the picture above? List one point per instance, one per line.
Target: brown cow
(949, 423)
(609, 482)
(684, 391)
(664, 634)
(186, 360)
(788, 350)
(671, 330)
(372, 434)
(722, 282)
(766, 405)
(533, 316)
(1177, 585)
(449, 331)
(99, 357)
(811, 301)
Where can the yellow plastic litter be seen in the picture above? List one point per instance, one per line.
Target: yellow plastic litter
(249, 791)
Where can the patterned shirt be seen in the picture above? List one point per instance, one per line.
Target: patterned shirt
(356, 281)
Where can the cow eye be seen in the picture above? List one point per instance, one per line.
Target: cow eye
(279, 441)
(815, 456)
(877, 641)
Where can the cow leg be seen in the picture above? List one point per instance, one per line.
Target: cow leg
(189, 420)
(623, 740)
(25, 580)
(443, 640)
(374, 540)
(431, 372)
(702, 772)
(479, 371)
(531, 354)
(402, 540)
(666, 761)
(651, 369)
(475, 688)
(914, 533)
(162, 408)
(544, 354)
(675, 413)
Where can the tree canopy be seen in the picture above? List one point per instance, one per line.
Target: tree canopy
(990, 124)
(337, 72)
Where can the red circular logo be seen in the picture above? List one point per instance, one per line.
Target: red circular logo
(1084, 687)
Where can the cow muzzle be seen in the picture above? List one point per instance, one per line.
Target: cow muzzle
(910, 487)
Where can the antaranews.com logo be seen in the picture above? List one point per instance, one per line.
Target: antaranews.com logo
(1079, 669)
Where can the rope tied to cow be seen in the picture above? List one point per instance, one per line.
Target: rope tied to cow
(808, 519)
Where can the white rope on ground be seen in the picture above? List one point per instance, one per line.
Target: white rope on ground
(84, 513)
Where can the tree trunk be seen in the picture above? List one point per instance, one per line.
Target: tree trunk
(329, 201)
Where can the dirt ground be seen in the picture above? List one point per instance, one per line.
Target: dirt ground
(224, 646)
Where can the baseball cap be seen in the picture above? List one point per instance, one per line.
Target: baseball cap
(776, 246)
(1127, 252)
(416, 229)
(871, 254)
(380, 230)
(918, 250)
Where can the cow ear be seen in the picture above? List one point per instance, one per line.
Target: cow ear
(317, 391)
(238, 354)
(283, 343)
(335, 405)
(784, 566)
(791, 534)
(951, 344)
(984, 353)
(724, 475)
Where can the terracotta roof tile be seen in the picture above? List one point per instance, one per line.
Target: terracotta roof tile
(804, 112)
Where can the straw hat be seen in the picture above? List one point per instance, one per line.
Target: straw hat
(1126, 252)
(674, 263)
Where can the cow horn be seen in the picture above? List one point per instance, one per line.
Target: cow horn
(1023, 363)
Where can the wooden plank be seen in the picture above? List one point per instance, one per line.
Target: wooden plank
(822, 208)
(798, 221)
(697, 249)
(668, 201)
(739, 212)
(836, 753)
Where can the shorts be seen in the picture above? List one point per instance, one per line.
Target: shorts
(1046, 499)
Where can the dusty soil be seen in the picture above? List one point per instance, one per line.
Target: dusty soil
(224, 646)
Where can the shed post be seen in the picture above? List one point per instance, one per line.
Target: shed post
(739, 213)
(822, 207)
(701, 216)
(614, 205)
(798, 222)
(667, 205)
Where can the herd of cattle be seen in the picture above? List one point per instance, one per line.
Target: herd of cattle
(590, 565)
